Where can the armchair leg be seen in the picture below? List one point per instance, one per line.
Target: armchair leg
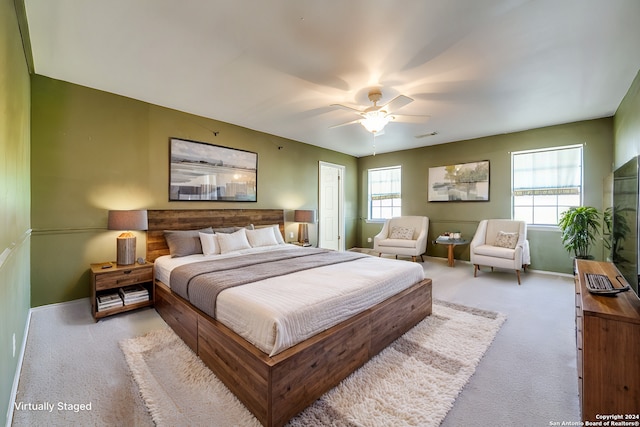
(518, 274)
(379, 254)
(421, 258)
(476, 268)
(414, 259)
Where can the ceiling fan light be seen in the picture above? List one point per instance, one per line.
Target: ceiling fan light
(375, 121)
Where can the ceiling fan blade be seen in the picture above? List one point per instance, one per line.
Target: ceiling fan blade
(434, 133)
(347, 108)
(344, 124)
(410, 118)
(397, 103)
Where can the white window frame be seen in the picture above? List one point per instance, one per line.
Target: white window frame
(557, 206)
(397, 209)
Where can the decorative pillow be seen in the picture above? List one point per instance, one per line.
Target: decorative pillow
(209, 244)
(404, 233)
(276, 232)
(233, 241)
(506, 240)
(261, 237)
(185, 242)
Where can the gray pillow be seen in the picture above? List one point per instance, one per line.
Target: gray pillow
(185, 242)
(229, 230)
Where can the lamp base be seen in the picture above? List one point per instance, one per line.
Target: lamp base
(126, 246)
(303, 233)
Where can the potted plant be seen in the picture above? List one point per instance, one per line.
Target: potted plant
(579, 226)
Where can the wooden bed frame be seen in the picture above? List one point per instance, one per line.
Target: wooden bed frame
(277, 388)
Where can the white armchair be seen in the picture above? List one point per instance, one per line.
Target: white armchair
(403, 235)
(500, 243)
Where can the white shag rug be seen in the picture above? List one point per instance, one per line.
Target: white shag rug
(413, 382)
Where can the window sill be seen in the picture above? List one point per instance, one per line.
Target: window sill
(552, 228)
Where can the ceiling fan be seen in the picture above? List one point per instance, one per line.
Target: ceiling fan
(376, 117)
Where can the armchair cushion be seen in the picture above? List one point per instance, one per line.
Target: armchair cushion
(397, 243)
(495, 251)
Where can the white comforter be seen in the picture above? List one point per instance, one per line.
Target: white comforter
(277, 313)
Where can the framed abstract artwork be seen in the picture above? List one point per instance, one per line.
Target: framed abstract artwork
(201, 171)
(465, 182)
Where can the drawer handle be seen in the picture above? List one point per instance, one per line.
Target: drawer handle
(127, 271)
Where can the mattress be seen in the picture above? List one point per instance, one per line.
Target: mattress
(277, 313)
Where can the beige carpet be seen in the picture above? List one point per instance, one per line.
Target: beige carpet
(413, 382)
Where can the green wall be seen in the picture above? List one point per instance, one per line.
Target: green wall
(14, 199)
(627, 125)
(547, 252)
(93, 151)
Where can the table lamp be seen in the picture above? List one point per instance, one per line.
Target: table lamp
(304, 217)
(126, 242)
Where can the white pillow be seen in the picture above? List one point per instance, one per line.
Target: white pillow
(261, 237)
(233, 241)
(276, 232)
(209, 244)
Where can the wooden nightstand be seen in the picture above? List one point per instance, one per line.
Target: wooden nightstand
(105, 281)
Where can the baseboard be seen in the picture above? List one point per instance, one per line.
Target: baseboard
(16, 378)
(56, 304)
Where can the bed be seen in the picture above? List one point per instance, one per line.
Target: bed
(277, 383)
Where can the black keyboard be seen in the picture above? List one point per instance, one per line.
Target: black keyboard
(598, 282)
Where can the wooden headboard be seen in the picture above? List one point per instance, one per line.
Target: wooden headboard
(194, 219)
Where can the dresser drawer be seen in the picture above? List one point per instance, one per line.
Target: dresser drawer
(123, 278)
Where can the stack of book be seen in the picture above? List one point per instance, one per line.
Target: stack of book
(133, 294)
(107, 301)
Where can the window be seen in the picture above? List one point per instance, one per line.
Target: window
(384, 193)
(545, 183)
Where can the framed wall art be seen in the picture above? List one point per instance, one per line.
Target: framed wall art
(465, 182)
(201, 171)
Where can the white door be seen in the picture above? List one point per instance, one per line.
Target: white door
(330, 209)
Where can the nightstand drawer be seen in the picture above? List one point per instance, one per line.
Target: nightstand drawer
(123, 278)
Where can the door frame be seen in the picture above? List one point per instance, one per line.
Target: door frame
(341, 223)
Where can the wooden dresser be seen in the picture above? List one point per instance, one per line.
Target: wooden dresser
(608, 343)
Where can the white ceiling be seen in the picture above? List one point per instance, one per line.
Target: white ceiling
(476, 67)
